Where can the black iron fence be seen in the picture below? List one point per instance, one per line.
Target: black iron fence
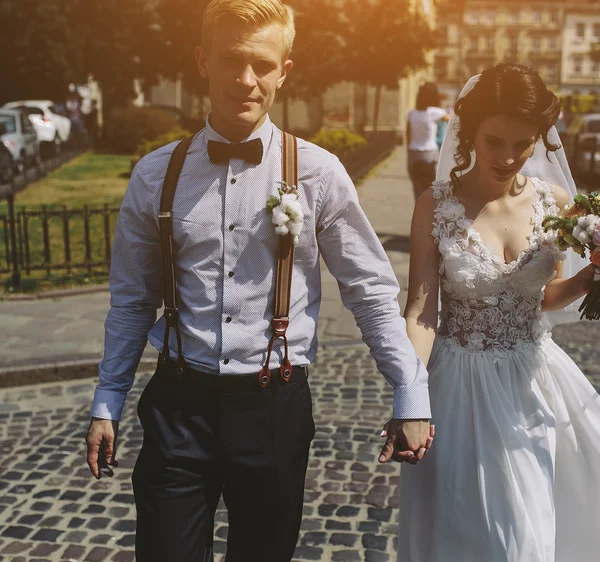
(50, 239)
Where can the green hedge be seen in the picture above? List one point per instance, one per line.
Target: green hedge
(127, 128)
(146, 147)
(340, 142)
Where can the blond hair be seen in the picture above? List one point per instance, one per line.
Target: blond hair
(256, 13)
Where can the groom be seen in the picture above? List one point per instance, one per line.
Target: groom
(212, 430)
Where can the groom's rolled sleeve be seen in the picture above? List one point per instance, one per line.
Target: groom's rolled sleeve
(369, 289)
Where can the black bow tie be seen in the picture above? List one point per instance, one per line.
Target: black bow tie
(251, 151)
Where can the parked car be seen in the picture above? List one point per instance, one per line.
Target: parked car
(7, 165)
(20, 138)
(588, 140)
(52, 128)
(186, 122)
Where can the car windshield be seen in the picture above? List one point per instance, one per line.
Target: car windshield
(9, 122)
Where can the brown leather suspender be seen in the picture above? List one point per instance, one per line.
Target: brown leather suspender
(166, 246)
(285, 261)
(283, 279)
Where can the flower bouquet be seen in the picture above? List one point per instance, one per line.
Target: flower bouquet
(578, 228)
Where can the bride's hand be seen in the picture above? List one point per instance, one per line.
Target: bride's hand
(407, 440)
(585, 278)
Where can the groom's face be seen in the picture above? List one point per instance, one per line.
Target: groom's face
(245, 66)
(502, 146)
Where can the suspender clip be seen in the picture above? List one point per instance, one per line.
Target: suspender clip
(171, 317)
(280, 325)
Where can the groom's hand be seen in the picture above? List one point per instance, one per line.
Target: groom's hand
(406, 440)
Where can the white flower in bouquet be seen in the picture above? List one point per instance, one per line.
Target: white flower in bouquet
(288, 217)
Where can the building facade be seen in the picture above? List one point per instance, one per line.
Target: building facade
(581, 48)
(554, 36)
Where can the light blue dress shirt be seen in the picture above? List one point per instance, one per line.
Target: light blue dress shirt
(225, 247)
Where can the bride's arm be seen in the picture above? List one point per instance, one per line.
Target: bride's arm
(421, 312)
(562, 292)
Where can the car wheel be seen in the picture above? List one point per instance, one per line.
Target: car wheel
(57, 144)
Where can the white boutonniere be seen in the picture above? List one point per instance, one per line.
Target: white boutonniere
(287, 213)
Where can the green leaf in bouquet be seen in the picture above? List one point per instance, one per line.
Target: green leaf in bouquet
(594, 199)
(272, 202)
(583, 201)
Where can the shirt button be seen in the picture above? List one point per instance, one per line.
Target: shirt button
(225, 361)
(233, 180)
(228, 319)
(230, 274)
(231, 227)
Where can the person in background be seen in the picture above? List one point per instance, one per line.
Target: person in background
(421, 132)
(91, 123)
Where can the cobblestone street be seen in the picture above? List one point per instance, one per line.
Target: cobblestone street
(51, 509)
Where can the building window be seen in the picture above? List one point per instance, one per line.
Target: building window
(597, 31)
(580, 30)
(553, 43)
(512, 17)
(474, 43)
(551, 74)
(491, 17)
(536, 44)
(514, 43)
(595, 67)
(490, 43)
(474, 16)
(577, 65)
(536, 17)
(553, 17)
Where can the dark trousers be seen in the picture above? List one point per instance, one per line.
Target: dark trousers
(205, 436)
(422, 167)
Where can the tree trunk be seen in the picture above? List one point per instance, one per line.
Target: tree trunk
(376, 108)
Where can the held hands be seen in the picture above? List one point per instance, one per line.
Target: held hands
(102, 446)
(407, 440)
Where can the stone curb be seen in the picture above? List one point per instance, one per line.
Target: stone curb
(56, 293)
(40, 373)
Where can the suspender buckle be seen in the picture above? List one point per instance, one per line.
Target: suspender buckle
(171, 317)
(280, 325)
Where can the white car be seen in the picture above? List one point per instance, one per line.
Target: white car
(19, 136)
(50, 126)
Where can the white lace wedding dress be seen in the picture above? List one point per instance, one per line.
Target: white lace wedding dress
(514, 473)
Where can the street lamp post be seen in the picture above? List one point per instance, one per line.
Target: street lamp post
(10, 199)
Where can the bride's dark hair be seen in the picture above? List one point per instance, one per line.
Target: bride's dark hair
(510, 89)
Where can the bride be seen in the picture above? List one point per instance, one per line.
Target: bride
(514, 475)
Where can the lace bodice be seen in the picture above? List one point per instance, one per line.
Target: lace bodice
(487, 304)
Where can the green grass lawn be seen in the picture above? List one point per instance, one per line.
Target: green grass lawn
(91, 179)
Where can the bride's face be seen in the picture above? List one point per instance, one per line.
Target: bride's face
(502, 146)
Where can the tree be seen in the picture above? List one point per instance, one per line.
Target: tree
(47, 46)
(179, 24)
(386, 40)
(318, 51)
(36, 49)
(118, 42)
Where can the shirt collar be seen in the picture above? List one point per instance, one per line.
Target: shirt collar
(264, 133)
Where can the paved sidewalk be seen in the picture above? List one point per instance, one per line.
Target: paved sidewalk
(52, 510)
(71, 329)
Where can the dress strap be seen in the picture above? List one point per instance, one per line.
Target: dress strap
(447, 211)
(545, 202)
